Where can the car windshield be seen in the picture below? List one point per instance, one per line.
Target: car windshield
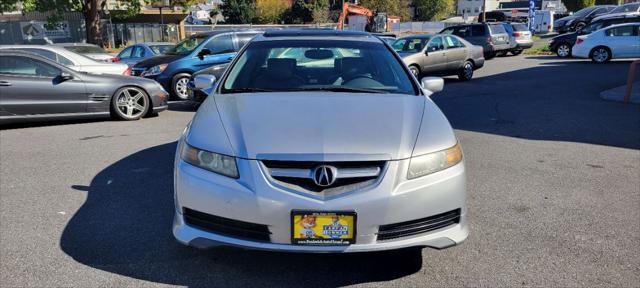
(584, 12)
(633, 7)
(160, 49)
(82, 49)
(318, 65)
(187, 45)
(411, 45)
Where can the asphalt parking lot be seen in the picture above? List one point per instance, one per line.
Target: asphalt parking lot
(554, 182)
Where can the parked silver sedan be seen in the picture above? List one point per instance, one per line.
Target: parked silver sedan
(299, 148)
(439, 55)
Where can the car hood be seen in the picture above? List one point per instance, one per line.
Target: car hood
(157, 60)
(310, 126)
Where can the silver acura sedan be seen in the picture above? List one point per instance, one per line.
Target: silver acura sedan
(319, 141)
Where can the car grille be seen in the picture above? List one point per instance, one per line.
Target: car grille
(298, 175)
(227, 227)
(404, 229)
(137, 71)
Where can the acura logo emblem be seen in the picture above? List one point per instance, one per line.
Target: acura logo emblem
(325, 175)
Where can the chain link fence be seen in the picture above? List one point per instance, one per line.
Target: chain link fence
(120, 35)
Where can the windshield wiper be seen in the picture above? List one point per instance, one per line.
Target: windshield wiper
(340, 89)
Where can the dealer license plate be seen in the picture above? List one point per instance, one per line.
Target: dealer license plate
(323, 228)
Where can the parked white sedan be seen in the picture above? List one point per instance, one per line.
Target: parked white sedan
(72, 60)
(617, 41)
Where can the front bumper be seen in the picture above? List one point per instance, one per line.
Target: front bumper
(254, 199)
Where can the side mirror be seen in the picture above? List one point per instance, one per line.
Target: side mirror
(205, 81)
(426, 52)
(433, 84)
(64, 76)
(204, 52)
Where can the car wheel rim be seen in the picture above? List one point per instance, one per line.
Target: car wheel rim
(181, 87)
(600, 55)
(414, 71)
(468, 70)
(131, 102)
(563, 51)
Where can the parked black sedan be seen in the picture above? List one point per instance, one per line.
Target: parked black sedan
(35, 88)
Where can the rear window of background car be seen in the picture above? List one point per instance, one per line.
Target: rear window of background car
(519, 27)
(497, 29)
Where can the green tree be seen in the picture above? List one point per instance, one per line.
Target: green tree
(308, 11)
(92, 10)
(237, 11)
(575, 5)
(433, 10)
(392, 8)
(270, 11)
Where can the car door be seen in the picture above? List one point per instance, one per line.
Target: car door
(456, 52)
(622, 40)
(30, 86)
(436, 56)
(222, 50)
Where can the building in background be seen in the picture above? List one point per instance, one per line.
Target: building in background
(474, 7)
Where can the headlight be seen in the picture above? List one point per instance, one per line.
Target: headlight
(214, 162)
(434, 162)
(155, 70)
(569, 22)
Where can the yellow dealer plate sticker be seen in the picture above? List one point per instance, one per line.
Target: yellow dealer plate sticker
(323, 228)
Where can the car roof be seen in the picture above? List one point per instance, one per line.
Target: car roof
(74, 57)
(616, 15)
(218, 32)
(415, 36)
(5, 52)
(314, 34)
(154, 43)
(72, 44)
(620, 25)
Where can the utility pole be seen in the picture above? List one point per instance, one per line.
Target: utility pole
(484, 10)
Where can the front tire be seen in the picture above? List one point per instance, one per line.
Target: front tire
(563, 50)
(130, 103)
(466, 72)
(179, 86)
(600, 54)
(415, 71)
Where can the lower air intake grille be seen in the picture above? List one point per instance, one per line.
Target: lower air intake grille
(413, 227)
(227, 227)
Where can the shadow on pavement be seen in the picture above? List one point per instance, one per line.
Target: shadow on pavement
(554, 101)
(124, 227)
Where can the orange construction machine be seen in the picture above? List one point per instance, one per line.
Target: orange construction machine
(371, 22)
